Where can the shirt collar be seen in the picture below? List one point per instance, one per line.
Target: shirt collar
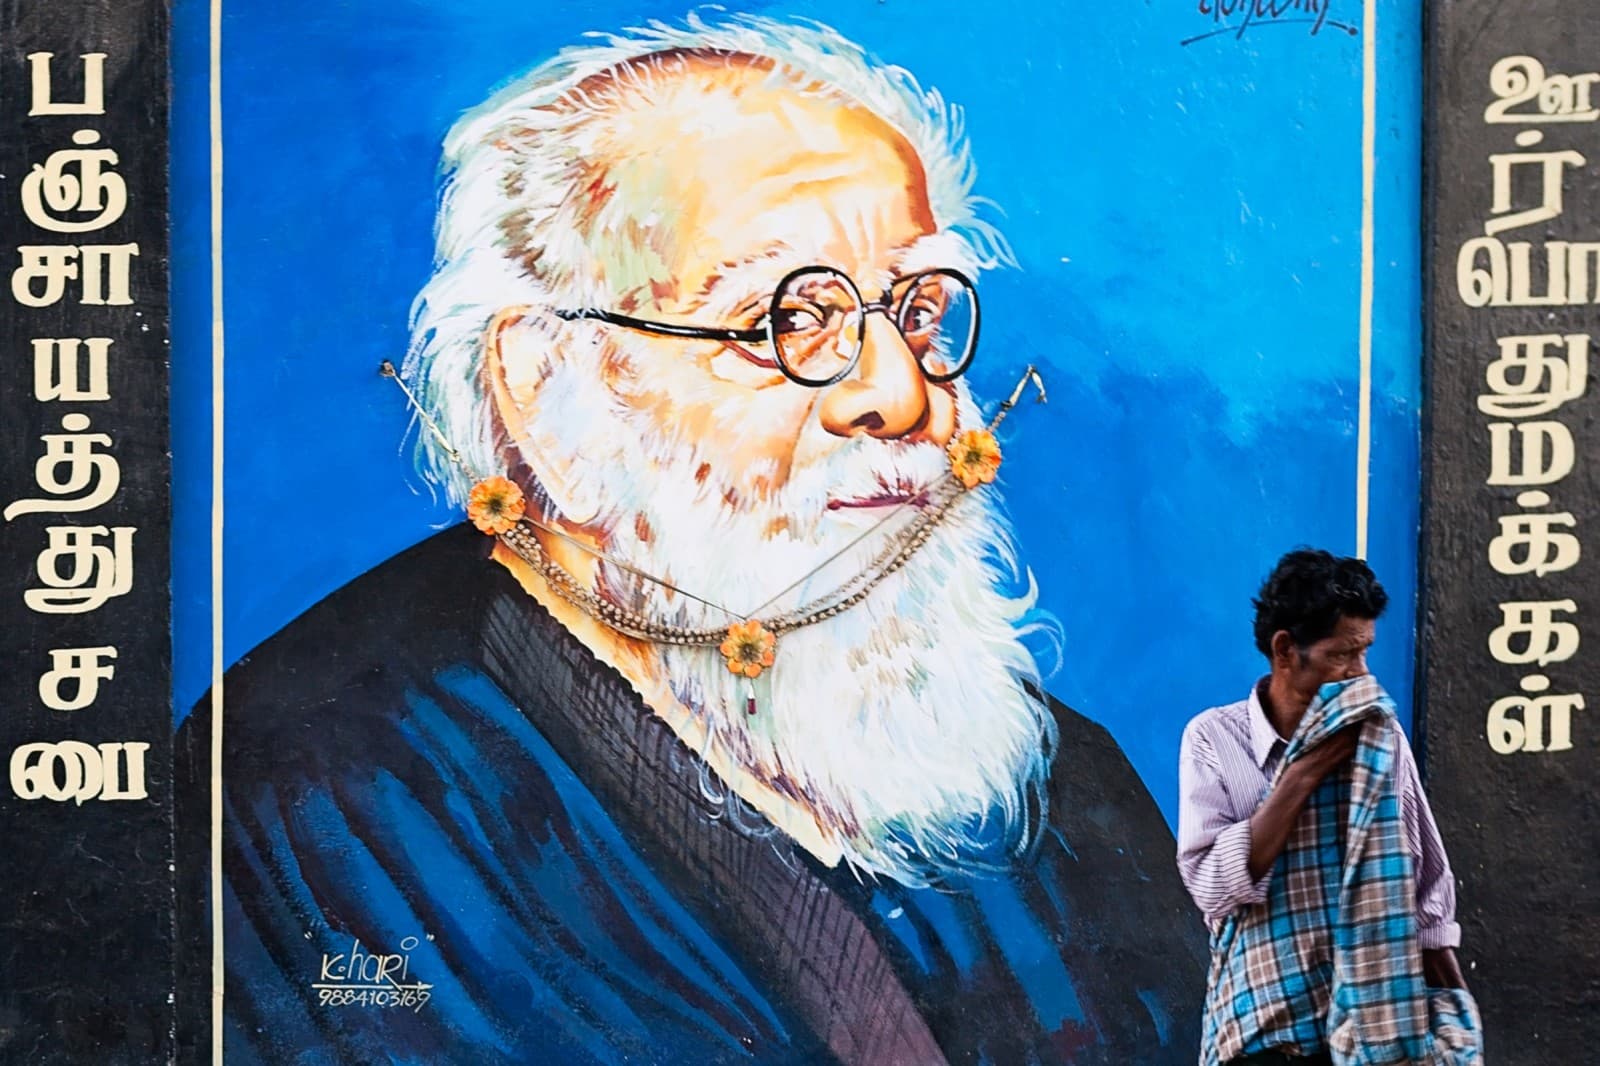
(1263, 736)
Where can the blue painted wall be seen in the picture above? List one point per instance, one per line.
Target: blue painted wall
(1187, 220)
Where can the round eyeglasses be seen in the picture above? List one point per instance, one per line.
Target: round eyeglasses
(816, 324)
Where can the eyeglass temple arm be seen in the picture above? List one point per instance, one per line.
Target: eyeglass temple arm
(1030, 374)
(666, 329)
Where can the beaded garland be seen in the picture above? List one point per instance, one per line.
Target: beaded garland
(497, 507)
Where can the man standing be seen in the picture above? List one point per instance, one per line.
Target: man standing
(1240, 817)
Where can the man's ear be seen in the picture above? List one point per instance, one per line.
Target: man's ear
(519, 357)
(1284, 651)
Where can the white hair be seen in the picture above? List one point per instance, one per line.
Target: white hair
(511, 232)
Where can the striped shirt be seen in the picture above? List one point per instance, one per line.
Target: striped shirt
(1225, 764)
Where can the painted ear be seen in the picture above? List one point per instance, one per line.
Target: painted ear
(520, 358)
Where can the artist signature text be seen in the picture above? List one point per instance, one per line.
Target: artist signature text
(363, 978)
(1236, 18)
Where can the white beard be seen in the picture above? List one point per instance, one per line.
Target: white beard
(903, 724)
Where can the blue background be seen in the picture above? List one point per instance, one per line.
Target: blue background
(1187, 221)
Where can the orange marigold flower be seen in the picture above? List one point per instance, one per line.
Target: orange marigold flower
(750, 648)
(495, 504)
(974, 457)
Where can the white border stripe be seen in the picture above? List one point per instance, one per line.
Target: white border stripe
(216, 531)
(1369, 123)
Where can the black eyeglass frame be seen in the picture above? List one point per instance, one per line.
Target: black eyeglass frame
(891, 307)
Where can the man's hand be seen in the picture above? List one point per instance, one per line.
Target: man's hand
(1440, 969)
(1326, 757)
(1274, 819)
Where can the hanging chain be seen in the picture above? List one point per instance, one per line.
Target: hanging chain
(936, 502)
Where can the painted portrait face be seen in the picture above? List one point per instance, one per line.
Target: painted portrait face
(786, 180)
(754, 179)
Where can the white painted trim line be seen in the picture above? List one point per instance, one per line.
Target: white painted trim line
(1369, 167)
(217, 363)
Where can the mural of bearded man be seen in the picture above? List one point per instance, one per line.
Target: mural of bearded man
(706, 296)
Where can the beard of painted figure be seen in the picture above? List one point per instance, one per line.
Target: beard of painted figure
(682, 188)
(905, 725)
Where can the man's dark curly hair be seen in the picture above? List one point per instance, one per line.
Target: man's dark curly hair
(1309, 591)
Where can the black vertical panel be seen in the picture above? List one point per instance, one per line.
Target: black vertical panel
(1522, 826)
(86, 887)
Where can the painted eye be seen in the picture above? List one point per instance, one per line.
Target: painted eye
(922, 314)
(797, 320)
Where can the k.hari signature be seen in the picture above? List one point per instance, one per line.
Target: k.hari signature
(360, 978)
(1249, 13)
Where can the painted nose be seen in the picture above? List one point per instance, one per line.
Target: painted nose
(887, 396)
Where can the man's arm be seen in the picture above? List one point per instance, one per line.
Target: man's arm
(1213, 849)
(1437, 930)
(1225, 863)
(1274, 820)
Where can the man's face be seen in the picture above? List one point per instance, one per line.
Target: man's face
(1337, 657)
(755, 180)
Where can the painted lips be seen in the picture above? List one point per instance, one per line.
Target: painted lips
(889, 497)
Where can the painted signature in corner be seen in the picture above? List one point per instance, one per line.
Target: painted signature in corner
(364, 978)
(1254, 13)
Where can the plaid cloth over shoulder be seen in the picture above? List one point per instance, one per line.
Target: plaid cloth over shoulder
(1330, 962)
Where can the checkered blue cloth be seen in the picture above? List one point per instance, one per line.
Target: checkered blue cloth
(1330, 962)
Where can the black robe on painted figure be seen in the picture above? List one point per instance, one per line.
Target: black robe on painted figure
(427, 766)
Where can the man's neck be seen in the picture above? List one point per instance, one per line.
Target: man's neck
(1284, 707)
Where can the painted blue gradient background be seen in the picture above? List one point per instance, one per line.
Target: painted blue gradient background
(1187, 221)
